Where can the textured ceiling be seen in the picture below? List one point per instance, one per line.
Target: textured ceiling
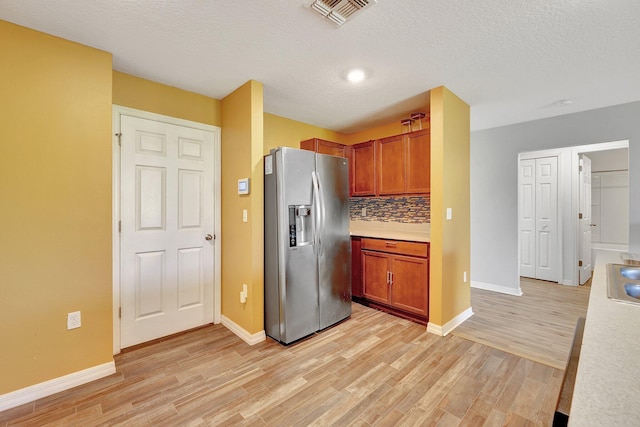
(511, 60)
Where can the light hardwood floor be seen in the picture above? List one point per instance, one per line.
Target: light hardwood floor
(539, 325)
(373, 369)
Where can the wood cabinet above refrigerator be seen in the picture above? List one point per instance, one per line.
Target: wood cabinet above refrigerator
(324, 147)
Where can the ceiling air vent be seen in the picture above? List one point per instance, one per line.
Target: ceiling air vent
(338, 11)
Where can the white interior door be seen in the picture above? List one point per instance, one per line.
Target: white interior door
(526, 211)
(595, 207)
(167, 202)
(585, 220)
(538, 218)
(547, 218)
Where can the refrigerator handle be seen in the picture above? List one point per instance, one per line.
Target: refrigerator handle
(323, 213)
(316, 208)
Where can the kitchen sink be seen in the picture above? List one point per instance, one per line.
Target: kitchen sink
(623, 283)
(632, 273)
(632, 289)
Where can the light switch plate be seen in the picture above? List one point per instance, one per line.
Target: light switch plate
(244, 215)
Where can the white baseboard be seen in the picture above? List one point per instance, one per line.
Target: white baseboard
(497, 288)
(434, 329)
(450, 325)
(56, 385)
(251, 339)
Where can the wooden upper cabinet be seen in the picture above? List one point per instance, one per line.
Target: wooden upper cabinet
(363, 171)
(395, 165)
(324, 147)
(404, 163)
(391, 165)
(418, 162)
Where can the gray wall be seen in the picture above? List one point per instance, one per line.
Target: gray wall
(611, 160)
(494, 192)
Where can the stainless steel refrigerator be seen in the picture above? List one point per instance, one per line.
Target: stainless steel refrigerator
(307, 247)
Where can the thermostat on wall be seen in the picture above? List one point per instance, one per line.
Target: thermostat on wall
(243, 186)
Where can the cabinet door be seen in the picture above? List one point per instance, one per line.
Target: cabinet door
(418, 162)
(374, 276)
(363, 176)
(356, 267)
(308, 144)
(323, 147)
(391, 165)
(409, 284)
(331, 148)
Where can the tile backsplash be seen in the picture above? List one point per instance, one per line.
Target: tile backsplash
(407, 209)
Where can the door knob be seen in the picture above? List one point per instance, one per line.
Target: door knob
(593, 225)
(208, 237)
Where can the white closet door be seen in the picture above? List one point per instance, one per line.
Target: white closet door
(538, 218)
(526, 209)
(547, 218)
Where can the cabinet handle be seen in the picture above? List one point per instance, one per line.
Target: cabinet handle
(391, 279)
(390, 244)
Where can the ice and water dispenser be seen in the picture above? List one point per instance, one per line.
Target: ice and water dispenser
(300, 228)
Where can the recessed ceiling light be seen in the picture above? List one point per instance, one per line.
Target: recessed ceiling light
(356, 76)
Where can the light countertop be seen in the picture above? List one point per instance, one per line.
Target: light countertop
(391, 230)
(607, 385)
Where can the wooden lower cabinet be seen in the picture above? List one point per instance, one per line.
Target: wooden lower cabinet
(409, 289)
(356, 267)
(375, 276)
(396, 282)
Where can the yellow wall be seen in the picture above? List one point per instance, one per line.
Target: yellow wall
(242, 243)
(134, 92)
(282, 132)
(55, 193)
(450, 244)
(385, 130)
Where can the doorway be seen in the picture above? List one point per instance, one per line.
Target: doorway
(603, 217)
(569, 226)
(166, 226)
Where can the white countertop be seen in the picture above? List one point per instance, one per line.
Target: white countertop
(391, 230)
(607, 388)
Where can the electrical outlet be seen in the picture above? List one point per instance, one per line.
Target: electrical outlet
(244, 215)
(73, 320)
(464, 277)
(364, 212)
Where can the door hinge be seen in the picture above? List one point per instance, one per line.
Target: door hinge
(579, 263)
(580, 168)
(119, 135)
(119, 226)
(119, 312)
(579, 216)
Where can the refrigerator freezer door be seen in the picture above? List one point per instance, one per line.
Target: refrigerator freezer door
(334, 251)
(291, 296)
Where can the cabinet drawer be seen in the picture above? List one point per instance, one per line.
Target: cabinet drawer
(396, 247)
